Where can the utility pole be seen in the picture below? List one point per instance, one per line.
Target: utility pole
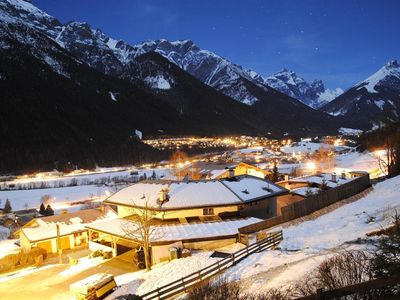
(59, 250)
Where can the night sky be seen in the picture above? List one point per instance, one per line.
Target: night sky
(341, 42)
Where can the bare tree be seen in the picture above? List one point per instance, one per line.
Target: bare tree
(324, 158)
(387, 157)
(178, 159)
(142, 228)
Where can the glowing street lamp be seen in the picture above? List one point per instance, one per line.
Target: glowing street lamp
(311, 166)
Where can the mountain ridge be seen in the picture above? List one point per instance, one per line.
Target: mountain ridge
(373, 101)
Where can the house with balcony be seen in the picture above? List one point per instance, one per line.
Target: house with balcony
(204, 214)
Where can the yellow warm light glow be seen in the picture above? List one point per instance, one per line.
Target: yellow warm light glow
(310, 165)
(380, 152)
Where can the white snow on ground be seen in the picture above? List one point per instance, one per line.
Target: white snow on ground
(4, 233)
(8, 247)
(158, 82)
(60, 196)
(83, 177)
(328, 95)
(82, 265)
(303, 147)
(161, 274)
(355, 161)
(251, 150)
(380, 104)
(25, 272)
(142, 282)
(350, 131)
(113, 96)
(311, 241)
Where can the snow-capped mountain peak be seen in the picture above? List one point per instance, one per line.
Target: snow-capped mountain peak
(313, 94)
(373, 100)
(390, 70)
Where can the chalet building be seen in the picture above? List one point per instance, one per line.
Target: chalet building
(245, 196)
(190, 214)
(220, 171)
(242, 169)
(42, 232)
(314, 183)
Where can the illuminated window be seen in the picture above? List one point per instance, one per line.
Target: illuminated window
(208, 211)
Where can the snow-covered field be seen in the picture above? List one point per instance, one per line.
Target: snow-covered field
(86, 177)
(307, 244)
(303, 147)
(62, 197)
(355, 161)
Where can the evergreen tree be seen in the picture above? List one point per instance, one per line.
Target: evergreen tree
(42, 209)
(7, 207)
(324, 185)
(309, 192)
(49, 211)
(153, 175)
(275, 173)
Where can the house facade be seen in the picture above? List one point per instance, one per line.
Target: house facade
(205, 214)
(244, 195)
(42, 232)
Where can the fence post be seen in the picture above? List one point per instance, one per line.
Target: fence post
(183, 283)
(158, 293)
(320, 294)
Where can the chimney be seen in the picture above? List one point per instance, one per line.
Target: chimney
(333, 177)
(164, 195)
(102, 208)
(343, 176)
(286, 177)
(231, 173)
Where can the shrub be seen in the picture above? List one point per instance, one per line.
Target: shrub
(347, 268)
(128, 297)
(21, 259)
(220, 290)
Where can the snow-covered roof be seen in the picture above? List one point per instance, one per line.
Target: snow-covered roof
(177, 232)
(48, 230)
(318, 179)
(303, 191)
(248, 189)
(196, 193)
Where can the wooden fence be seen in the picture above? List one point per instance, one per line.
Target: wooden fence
(311, 204)
(185, 283)
(364, 288)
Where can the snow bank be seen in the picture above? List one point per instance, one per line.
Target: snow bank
(8, 247)
(4, 233)
(306, 244)
(142, 282)
(355, 161)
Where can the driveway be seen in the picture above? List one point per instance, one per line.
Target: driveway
(46, 283)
